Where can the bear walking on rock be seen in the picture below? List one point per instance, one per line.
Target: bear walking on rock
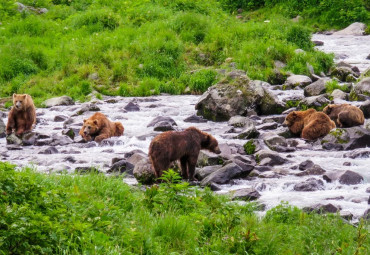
(310, 123)
(345, 115)
(22, 116)
(183, 145)
(98, 127)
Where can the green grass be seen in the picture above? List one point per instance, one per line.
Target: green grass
(84, 214)
(333, 85)
(141, 48)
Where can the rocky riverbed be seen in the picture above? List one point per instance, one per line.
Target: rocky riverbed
(331, 174)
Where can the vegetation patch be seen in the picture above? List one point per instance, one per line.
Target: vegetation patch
(249, 147)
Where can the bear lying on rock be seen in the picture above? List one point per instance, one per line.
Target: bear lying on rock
(310, 123)
(345, 115)
(98, 127)
(184, 145)
(22, 116)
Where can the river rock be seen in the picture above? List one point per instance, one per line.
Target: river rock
(249, 131)
(161, 119)
(359, 153)
(224, 175)
(60, 118)
(132, 107)
(201, 173)
(136, 158)
(305, 165)
(86, 170)
(49, 150)
(343, 73)
(240, 121)
(319, 208)
(63, 100)
(344, 177)
(311, 184)
(29, 138)
(276, 143)
(163, 126)
(122, 166)
(70, 133)
(363, 87)
(87, 108)
(316, 88)
(348, 138)
(195, 119)
(298, 80)
(269, 158)
(60, 140)
(267, 126)
(2, 129)
(247, 194)
(13, 139)
(143, 172)
(316, 102)
(339, 94)
(313, 170)
(356, 28)
(318, 43)
(365, 108)
(207, 158)
(238, 96)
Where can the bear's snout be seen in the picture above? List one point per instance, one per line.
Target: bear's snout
(217, 150)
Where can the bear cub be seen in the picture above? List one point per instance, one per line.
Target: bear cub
(183, 145)
(98, 127)
(345, 115)
(310, 124)
(22, 116)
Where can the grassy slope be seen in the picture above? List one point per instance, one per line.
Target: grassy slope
(143, 47)
(95, 214)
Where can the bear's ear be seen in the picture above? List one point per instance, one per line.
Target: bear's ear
(294, 114)
(85, 120)
(206, 141)
(14, 95)
(96, 122)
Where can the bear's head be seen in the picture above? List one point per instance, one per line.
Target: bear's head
(291, 118)
(20, 101)
(210, 143)
(327, 110)
(90, 127)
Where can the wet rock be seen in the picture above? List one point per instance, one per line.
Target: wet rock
(363, 87)
(317, 102)
(356, 28)
(86, 170)
(365, 108)
(163, 126)
(298, 80)
(122, 166)
(319, 208)
(338, 94)
(2, 128)
(70, 159)
(143, 172)
(359, 153)
(160, 119)
(49, 150)
(249, 131)
(136, 158)
(215, 187)
(344, 177)
(87, 108)
(240, 121)
(132, 107)
(60, 118)
(368, 190)
(14, 147)
(311, 184)
(332, 146)
(29, 138)
(201, 173)
(195, 119)
(269, 158)
(70, 133)
(314, 170)
(247, 194)
(13, 139)
(318, 43)
(267, 126)
(350, 138)
(207, 158)
(63, 100)
(224, 174)
(239, 96)
(344, 74)
(316, 88)
(130, 153)
(305, 165)
(60, 140)
(347, 164)
(275, 142)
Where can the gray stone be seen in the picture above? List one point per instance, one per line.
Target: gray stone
(319, 208)
(49, 150)
(224, 174)
(348, 138)
(316, 102)
(143, 172)
(305, 165)
(240, 121)
(318, 43)
(122, 166)
(339, 94)
(201, 173)
(207, 158)
(2, 129)
(311, 184)
(60, 118)
(343, 73)
(316, 88)
(275, 142)
(363, 87)
(136, 158)
(298, 80)
(365, 108)
(60, 140)
(247, 194)
(13, 139)
(195, 119)
(87, 108)
(350, 178)
(359, 153)
(132, 107)
(356, 28)
(63, 100)
(163, 126)
(162, 119)
(314, 170)
(273, 158)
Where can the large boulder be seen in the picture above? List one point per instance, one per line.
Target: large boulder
(238, 96)
(269, 158)
(311, 184)
(347, 138)
(247, 194)
(143, 172)
(363, 87)
(298, 80)
(316, 88)
(2, 128)
(344, 177)
(225, 174)
(63, 100)
(343, 73)
(356, 28)
(316, 102)
(365, 108)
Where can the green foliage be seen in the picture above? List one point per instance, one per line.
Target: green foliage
(333, 85)
(7, 8)
(201, 80)
(249, 147)
(96, 214)
(300, 36)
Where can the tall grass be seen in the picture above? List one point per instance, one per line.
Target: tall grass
(141, 47)
(83, 214)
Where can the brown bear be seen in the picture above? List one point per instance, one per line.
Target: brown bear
(184, 145)
(98, 127)
(345, 115)
(22, 116)
(310, 123)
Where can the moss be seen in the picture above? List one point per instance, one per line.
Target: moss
(249, 147)
(353, 96)
(292, 103)
(338, 133)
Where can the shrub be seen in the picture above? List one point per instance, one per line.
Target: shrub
(201, 80)
(96, 20)
(333, 85)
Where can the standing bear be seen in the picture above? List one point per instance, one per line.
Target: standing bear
(310, 123)
(22, 116)
(184, 145)
(345, 115)
(98, 127)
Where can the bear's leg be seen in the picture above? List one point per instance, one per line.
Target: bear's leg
(159, 166)
(184, 168)
(344, 119)
(314, 130)
(104, 134)
(10, 125)
(191, 166)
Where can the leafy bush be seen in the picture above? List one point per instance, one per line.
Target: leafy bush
(201, 80)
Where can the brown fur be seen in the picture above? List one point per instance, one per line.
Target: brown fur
(98, 128)
(345, 115)
(22, 116)
(310, 123)
(184, 145)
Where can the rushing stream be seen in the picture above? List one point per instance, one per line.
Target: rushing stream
(275, 186)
